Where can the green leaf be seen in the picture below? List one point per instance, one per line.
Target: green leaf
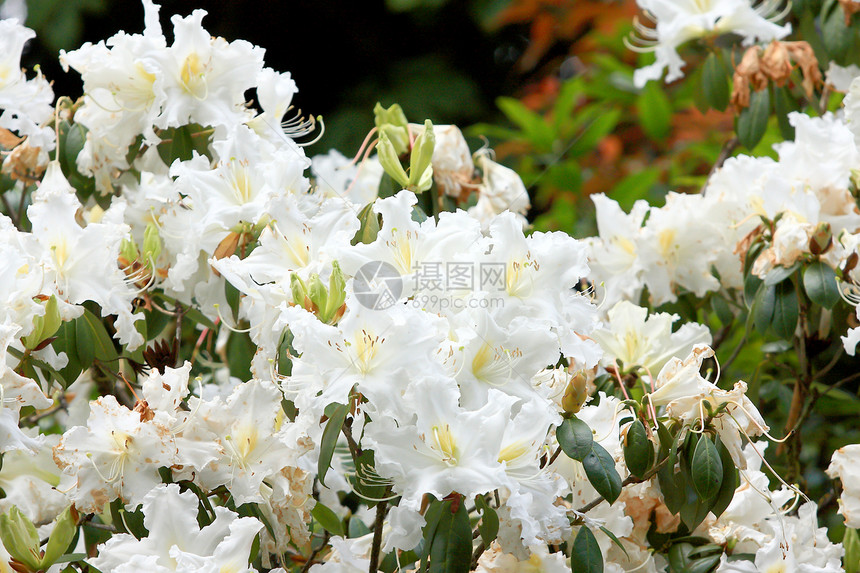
(715, 82)
(779, 273)
(763, 307)
(369, 228)
(819, 282)
(600, 470)
(181, 143)
(752, 122)
(84, 343)
(751, 287)
(837, 37)
(328, 519)
(575, 438)
(585, 555)
(730, 482)
(706, 469)
(785, 310)
(67, 342)
(615, 540)
(655, 111)
(489, 527)
(451, 548)
(783, 104)
(851, 543)
(722, 310)
(638, 449)
(534, 128)
(336, 415)
(103, 346)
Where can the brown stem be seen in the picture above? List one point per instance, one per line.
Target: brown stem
(314, 553)
(631, 479)
(381, 508)
(726, 152)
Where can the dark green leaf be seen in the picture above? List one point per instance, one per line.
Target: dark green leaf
(84, 343)
(706, 469)
(451, 548)
(785, 310)
(67, 342)
(752, 122)
(715, 82)
(103, 346)
(782, 106)
(655, 111)
(585, 555)
(336, 415)
(751, 287)
(638, 449)
(328, 519)
(575, 438)
(779, 273)
(836, 35)
(615, 540)
(730, 481)
(819, 281)
(600, 470)
(763, 307)
(489, 527)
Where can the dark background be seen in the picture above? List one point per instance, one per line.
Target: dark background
(442, 60)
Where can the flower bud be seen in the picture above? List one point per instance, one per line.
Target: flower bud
(420, 162)
(575, 394)
(44, 326)
(128, 252)
(61, 537)
(392, 122)
(317, 292)
(299, 290)
(336, 294)
(388, 158)
(20, 538)
(151, 244)
(821, 240)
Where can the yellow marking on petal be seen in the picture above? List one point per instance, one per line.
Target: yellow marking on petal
(445, 443)
(513, 452)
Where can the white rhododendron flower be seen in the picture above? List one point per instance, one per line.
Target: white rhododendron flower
(176, 542)
(676, 22)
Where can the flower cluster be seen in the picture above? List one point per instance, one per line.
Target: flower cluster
(220, 354)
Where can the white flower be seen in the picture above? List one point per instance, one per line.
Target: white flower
(647, 342)
(678, 21)
(176, 543)
(845, 465)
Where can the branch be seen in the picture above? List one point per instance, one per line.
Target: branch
(381, 509)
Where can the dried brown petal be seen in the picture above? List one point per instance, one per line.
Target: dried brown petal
(747, 73)
(9, 139)
(850, 8)
(776, 63)
(802, 54)
(23, 164)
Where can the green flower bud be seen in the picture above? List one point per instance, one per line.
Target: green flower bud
(20, 538)
(336, 293)
(575, 394)
(388, 158)
(299, 290)
(420, 162)
(128, 252)
(317, 292)
(44, 326)
(61, 537)
(151, 244)
(392, 122)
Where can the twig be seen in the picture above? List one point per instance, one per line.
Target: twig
(479, 550)
(314, 553)
(631, 479)
(381, 508)
(726, 152)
